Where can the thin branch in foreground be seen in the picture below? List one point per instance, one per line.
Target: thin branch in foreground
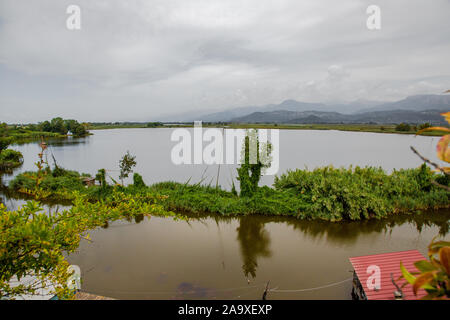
(429, 161)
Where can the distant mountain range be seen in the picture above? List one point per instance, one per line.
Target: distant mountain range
(413, 109)
(316, 117)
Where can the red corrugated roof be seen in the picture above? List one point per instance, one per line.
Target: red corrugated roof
(388, 263)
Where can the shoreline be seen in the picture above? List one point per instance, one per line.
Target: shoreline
(389, 129)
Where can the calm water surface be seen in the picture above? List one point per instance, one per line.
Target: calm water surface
(233, 258)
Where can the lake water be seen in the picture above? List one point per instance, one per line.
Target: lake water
(297, 149)
(210, 257)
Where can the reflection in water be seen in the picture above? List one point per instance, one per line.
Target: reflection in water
(160, 258)
(349, 232)
(254, 242)
(56, 142)
(139, 218)
(13, 200)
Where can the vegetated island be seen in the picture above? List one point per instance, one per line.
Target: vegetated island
(331, 194)
(13, 134)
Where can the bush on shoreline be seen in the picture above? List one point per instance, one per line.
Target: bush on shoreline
(326, 193)
(10, 159)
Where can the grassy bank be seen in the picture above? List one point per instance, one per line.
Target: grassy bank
(327, 193)
(375, 128)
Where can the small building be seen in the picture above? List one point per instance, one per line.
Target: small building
(372, 278)
(88, 181)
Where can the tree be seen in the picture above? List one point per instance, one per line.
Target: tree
(424, 125)
(45, 126)
(5, 141)
(403, 127)
(79, 131)
(255, 159)
(57, 125)
(101, 178)
(154, 124)
(138, 181)
(126, 165)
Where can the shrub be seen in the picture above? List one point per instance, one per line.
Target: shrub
(138, 182)
(403, 127)
(10, 159)
(424, 126)
(360, 193)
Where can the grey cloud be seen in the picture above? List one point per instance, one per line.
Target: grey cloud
(139, 60)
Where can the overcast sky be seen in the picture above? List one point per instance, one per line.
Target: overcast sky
(143, 60)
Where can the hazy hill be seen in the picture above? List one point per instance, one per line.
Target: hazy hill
(359, 110)
(309, 117)
(415, 103)
(287, 105)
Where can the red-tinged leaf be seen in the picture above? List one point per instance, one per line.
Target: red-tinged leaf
(444, 256)
(443, 151)
(422, 280)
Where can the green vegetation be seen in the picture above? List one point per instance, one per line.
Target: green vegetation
(126, 165)
(56, 128)
(363, 193)
(403, 127)
(434, 275)
(116, 125)
(53, 181)
(123, 125)
(33, 242)
(10, 159)
(326, 193)
(154, 124)
(249, 173)
(375, 128)
(424, 126)
(62, 127)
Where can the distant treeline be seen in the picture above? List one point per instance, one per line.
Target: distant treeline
(61, 126)
(127, 124)
(57, 127)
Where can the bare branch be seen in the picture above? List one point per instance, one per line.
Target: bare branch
(429, 161)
